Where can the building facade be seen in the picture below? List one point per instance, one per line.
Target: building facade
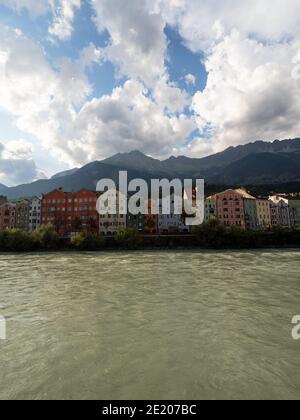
(136, 222)
(3, 200)
(54, 211)
(274, 215)
(295, 208)
(151, 219)
(210, 209)
(115, 220)
(7, 216)
(71, 213)
(251, 214)
(264, 218)
(35, 214)
(23, 215)
(230, 209)
(82, 212)
(282, 211)
(171, 223)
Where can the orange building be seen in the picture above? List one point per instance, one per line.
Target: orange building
(71, 213)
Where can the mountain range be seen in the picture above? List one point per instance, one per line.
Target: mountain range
(259, 163)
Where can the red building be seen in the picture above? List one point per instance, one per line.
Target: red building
(71, 213)
(151, 219)
(231, 211)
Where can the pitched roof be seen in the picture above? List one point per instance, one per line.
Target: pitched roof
(244, 194)
(277, 199)
(239, 191)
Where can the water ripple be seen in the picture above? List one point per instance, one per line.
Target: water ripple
(150, 325)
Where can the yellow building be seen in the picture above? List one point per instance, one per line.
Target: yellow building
(264, 217)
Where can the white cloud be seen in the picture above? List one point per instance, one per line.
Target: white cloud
(64, 13)
(138, 43)
(202, 22)
(170, 97)
(250, 93)
(190, 79)
(43, 100)
(127, 120)
(249, 67)
(34, 7)
(18, 149)
(54, 106)
(16, 163)
(138, 48)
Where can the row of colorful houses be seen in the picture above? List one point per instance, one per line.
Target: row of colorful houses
(73, 213)
(23, 214)
(238, 208)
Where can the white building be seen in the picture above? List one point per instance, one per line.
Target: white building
(115, 220)
(171, 223)
(35, 214)
(282, 212)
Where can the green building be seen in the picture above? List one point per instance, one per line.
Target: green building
(295, 207)
(250, 210)
(210, 209)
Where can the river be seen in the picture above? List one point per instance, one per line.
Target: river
(156, 325)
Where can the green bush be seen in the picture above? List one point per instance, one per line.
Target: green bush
(211, 234)
(46, 238)
(16, 241)
(86, 241)
(129, 239)
(214, 235)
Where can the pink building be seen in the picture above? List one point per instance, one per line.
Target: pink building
(231, 211)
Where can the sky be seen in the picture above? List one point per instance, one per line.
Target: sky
(81, 80)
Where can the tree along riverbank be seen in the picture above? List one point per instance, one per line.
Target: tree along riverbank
(207, 236)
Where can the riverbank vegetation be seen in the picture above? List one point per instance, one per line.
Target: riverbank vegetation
(211, 235)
